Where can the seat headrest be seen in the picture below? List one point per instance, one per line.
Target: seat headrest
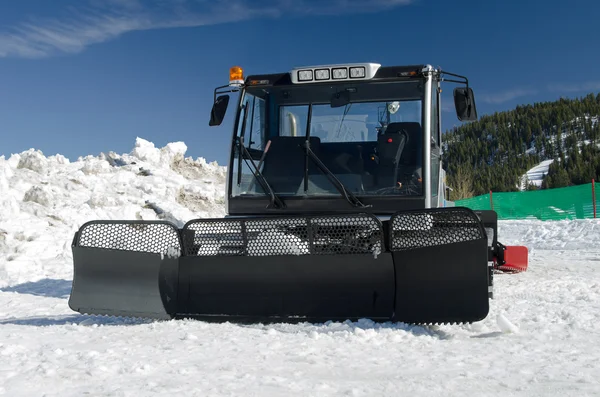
(410, 127)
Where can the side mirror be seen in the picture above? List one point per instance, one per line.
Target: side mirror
(464, 102)
(217, 114)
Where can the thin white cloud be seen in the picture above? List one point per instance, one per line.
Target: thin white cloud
(448, 105)
(509, 95)
(575, 87)
(40, 38)
(505, 96)
(329, 7)
(102, 20)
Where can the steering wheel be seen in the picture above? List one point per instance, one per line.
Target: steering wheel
(412, 187)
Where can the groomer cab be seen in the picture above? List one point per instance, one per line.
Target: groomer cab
(338, 138)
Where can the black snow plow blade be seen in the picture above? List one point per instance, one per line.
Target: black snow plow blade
(423, 267)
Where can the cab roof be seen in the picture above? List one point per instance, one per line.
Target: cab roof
(403, 72)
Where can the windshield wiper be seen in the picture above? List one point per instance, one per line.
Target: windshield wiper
(347, 194)
(275, 200)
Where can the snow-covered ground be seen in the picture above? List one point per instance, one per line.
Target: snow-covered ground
(541, 337)
(536, 174)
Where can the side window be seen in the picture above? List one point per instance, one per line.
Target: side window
(251, 127)
(241, 125)
(256, 128)
(252, 122)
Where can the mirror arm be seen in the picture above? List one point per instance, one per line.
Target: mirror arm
(465, 81)
(224, 89)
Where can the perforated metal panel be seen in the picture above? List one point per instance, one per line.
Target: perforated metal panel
(434, 227)
(293, 235)
(140, 236)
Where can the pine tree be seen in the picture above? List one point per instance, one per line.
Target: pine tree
(494, 148)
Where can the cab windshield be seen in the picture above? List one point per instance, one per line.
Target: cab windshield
(372, 144)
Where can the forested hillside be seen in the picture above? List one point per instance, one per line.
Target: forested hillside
(498, 149)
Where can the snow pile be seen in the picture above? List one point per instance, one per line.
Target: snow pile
(540, 338)
(33, 160)
(44, 200)
(8, 204)
(571, 235)
(146, 151)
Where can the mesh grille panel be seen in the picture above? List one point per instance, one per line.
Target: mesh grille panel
(282, 236)
(347, 234)
(158, 238)
(434, 227)
(213, 237)
(319, 235)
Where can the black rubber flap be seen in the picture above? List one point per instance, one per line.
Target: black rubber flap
(440, 257)
(126, 269)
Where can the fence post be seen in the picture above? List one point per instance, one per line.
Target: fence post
(594, 197)
(491, 201)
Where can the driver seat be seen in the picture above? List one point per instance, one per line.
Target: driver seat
(284, 163)
(398, 148)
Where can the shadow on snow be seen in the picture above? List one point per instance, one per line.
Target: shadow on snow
(49, 288)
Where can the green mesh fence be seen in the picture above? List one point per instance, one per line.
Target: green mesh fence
(574, 202)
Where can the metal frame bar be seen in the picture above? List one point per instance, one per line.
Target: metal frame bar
(427, 139)
(229, 179)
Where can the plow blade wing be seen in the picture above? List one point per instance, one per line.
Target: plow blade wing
(441, 262)
(125, 269)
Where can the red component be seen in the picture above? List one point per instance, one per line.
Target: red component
(515, 259)
(390, 140)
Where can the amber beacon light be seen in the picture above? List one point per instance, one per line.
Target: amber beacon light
(236, 76)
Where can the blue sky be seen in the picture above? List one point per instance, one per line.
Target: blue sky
(80, 77)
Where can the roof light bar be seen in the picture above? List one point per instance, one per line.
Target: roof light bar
(315, 74)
